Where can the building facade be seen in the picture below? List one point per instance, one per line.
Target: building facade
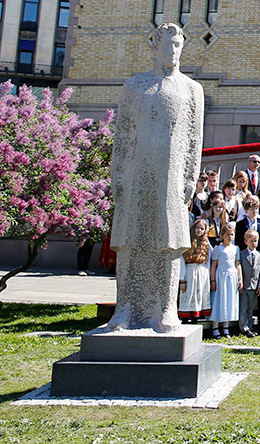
(32, 42)
(109, 41)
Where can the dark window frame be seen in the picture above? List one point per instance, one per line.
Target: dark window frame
(212, 12)
(1, 9)
(158, 12)
(57, 46)
(27, 3)
(63, 4)
(185, 8)
(247, 132)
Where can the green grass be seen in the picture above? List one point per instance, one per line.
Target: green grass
(27, 318)
(26, 363)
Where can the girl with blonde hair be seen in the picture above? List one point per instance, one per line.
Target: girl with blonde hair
(216, 219)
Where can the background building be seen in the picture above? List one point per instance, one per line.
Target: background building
(109, 41)
(32, 42)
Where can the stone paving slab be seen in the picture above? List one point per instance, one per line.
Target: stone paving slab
(43, 286)
(210, 399)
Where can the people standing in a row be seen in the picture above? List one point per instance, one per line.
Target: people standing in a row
(253, 164)
(233, 207)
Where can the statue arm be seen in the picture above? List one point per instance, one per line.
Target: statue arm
(124, 142)
(193, 157)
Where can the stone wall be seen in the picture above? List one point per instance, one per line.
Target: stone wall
(109, 42)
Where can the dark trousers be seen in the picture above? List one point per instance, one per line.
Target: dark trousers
(84, 254)
(258, 315)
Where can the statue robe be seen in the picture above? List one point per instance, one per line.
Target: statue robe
(156, 161)
(155, 166)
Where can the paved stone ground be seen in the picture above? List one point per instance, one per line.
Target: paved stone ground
(210, 399)
(59, 286)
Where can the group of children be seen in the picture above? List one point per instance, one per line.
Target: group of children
(220, 273)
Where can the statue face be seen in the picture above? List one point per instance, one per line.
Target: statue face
(169, 50)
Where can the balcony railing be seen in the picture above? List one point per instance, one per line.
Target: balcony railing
(35, 70)
(227, 160)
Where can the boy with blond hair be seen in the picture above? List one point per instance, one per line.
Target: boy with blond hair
(250, 221)
(250, 263)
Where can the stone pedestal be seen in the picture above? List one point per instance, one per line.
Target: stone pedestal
(138, 364)
(141, 345)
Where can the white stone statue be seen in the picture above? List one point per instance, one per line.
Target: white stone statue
(155, 166)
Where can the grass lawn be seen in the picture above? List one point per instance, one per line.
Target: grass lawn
(26, 363)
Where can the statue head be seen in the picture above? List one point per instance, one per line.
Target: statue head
(167, 43)
(166, 28)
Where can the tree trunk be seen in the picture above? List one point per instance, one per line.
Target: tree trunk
(32, 252)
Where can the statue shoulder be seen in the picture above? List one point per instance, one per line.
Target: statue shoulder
(140, 80)
(192, 84)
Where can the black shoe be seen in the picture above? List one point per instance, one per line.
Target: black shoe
(226, 333)
(249, 334)
(215, 333)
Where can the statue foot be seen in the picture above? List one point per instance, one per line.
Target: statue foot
(166, 326)
(120, 320)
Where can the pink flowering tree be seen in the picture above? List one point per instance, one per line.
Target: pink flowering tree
(54, 171)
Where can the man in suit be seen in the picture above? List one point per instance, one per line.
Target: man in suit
(253, 164)
(250, 263)
(251, 220)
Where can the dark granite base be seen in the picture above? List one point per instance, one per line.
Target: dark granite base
(180, 379)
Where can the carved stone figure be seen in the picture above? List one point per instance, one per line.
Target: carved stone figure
(155, 167)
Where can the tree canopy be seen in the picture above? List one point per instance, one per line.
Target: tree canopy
(54, 169)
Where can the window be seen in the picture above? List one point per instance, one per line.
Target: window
(64, 9)
(158, 12)
(185, 12)
(1, 9)
(25, 55)
(30, 12)
(212, 11)
(250, 134)
(59, 55)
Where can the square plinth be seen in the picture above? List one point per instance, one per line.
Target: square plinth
(180, 379)
(143, 345)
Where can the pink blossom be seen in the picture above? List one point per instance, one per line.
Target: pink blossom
(46, 102)
(46, 200)
(15, 201)
(20, 158)
(109, 116)
(104, 205)
(22, 138)
(85, 123)
(104, 131)
(73, 213)
(53, 167)
(6, 88)
(64, 96)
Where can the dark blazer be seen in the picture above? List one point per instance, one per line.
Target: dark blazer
(250, 186)
(241, 227)
(250, 273)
